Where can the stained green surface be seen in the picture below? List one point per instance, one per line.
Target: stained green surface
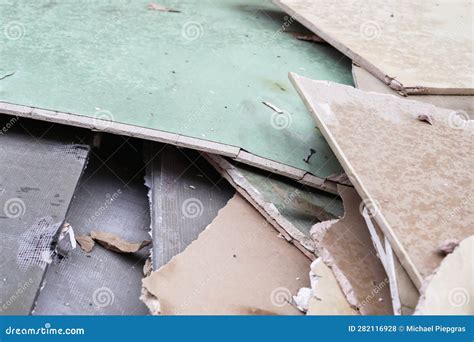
(300, 205)
(87, 57)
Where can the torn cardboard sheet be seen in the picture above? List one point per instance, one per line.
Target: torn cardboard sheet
(346, 247)
(327, 297)
(248, 270)
(291, 208)
(412, 53)
(450, 289)
(365, 81)
(398, 165)
(115, 243)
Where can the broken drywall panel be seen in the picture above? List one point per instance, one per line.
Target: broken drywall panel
(186, 193)
(392, 277)
(327, 297)
(404, 293)
(463, 104)
(427, 54)
(249, 269)
(379, 141)
(111, 198)
(39, 171)
(450, 289)
(291, 208)
(377, 236)
(346, 247)
(161, 86)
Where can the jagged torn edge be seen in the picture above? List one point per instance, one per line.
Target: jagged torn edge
(35, 245)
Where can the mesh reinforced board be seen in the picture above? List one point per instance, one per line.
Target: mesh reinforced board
(38, 176)
(111, 197)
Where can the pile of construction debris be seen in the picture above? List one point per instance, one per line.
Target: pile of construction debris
(156, 158)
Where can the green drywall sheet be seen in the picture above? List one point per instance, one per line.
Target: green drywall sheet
(202, 73)
(299, 204)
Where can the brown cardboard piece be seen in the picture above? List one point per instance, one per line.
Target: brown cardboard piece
(85, 242)
(346, 247)
(416, 178)
(238, 265)
(115, 243)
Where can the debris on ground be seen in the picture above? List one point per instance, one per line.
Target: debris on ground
(238, 187)
(116, 243)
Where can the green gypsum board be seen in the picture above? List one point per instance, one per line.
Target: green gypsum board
(196, 78)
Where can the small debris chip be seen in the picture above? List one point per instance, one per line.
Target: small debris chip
(426, 118)
(447, 247)
(85, 242)
(115, 243)
(155, 7)
(147, 267)
(308, 37)
(273, 107)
